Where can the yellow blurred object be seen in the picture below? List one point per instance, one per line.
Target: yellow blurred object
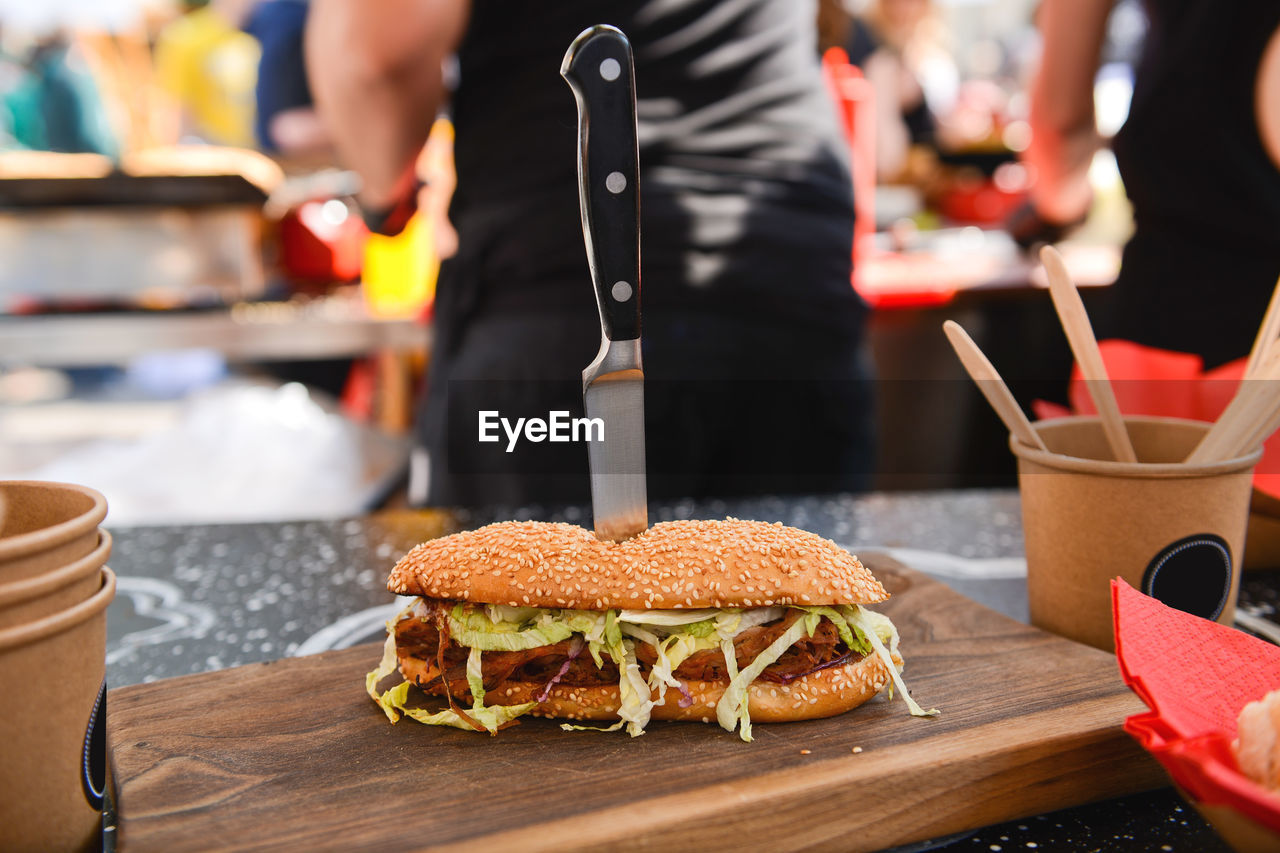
(209, 66)
(400, 271)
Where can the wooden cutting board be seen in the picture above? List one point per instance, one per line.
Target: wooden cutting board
(293, 755)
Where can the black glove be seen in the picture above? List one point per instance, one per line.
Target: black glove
(390, 221)
(1028, 228)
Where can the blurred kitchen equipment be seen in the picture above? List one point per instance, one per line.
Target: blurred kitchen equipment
(598, 68)
(1075, 322)
(238, 451)
(165, 227)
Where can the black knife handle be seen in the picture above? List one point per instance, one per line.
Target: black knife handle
(600, 72)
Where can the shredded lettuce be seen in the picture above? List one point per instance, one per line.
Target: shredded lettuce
(612, 632)
(673, 634)
(475, 676)
(639, 633)
(393, 701)
(729, 714)
(635, 700)
(492, 717)
(672, 652)
(851, 637)
(473, 627)
(733, 707)
(570, 727)
(705, 628)
(731, 623)
(499, 613)
(728, 624)
(872, 624)
(590, 625)
(387, 666)
(666, 617)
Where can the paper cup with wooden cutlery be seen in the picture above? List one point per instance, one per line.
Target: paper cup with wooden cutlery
(1171, 528)
(1160, 502)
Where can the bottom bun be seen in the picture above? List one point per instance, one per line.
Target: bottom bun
(824, 693)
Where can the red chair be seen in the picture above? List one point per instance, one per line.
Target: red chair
(855, 104)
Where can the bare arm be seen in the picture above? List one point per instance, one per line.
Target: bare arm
(1064, 132)
(893, 140)
(1267, 98)
(375, 70)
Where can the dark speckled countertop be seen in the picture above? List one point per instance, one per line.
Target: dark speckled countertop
(198, 598)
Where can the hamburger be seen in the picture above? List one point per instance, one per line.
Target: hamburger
(690, 620)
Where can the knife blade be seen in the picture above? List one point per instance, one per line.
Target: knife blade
(599, 69)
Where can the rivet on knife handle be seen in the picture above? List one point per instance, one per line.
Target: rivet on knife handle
(599, 70)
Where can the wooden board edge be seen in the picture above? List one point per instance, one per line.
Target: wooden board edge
(809, 808)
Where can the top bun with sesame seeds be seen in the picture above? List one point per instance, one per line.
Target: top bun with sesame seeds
(672, 565)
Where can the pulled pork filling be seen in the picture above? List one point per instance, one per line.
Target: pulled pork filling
(439, 663)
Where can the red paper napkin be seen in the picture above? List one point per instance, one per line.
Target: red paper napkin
(1195, 675)
(1149, 381)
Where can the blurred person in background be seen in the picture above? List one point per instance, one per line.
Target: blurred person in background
(1199, 155)
(755, 373)
(12, 76)
(209, 67)
(900, 46)
(287, 123)
(55, 105)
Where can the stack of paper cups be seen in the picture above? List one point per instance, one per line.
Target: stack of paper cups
(54, 590)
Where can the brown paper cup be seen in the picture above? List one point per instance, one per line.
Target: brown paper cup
(62, 587)
(52, 725)
(1174, 531)
(46, 525)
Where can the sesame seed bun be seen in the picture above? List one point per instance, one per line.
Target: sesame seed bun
(1258, 741)
(824, 693)
(673, 564)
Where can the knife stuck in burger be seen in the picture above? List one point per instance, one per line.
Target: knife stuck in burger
(690, 620)
(599, 69)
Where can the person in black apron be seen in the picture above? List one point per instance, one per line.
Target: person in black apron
(1199, 270)
(755, 375)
